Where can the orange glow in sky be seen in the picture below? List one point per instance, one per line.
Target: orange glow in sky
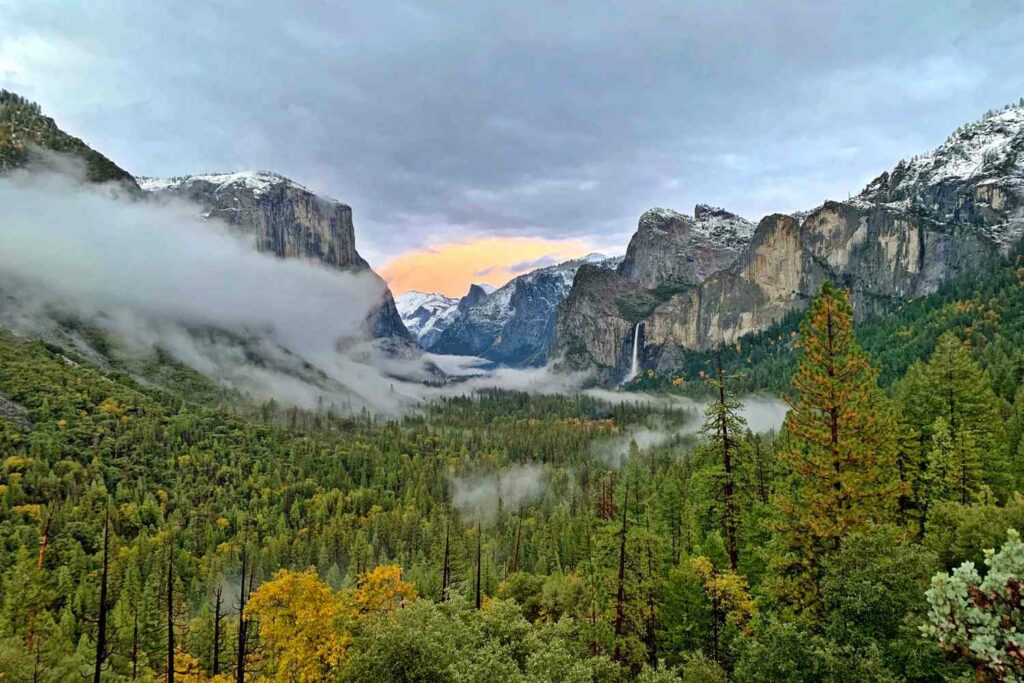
(450, 268)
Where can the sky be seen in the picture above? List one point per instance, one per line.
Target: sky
(474, 138)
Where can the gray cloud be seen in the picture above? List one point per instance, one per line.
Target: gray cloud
(441, 119)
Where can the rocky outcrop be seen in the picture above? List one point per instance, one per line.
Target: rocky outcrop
(513, 325)
(954, 211)
(589, 330)
(285, 219)
(673, 248)
(473, 297)
(9, 410)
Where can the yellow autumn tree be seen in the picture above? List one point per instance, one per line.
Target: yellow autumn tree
(728, 597)
(299, 620)
(381, 589)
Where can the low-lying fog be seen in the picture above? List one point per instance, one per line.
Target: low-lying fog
(154, 274)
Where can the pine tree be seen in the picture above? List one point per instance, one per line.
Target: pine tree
(723, 427)
(952, 386)
(842, 452)
(954, 466)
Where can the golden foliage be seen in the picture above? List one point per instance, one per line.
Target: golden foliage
(727, 592)
(299, 621)
(382, 589)
(33, 510)
(17, 462)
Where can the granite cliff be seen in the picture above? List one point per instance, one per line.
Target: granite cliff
(513, 325)
(285, 219)
(956, 210)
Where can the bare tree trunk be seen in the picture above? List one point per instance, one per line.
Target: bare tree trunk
(651, 635)
(216, 631)
(170, 615)
(478, 544)
(446, 569)
(730, 503)
(515, 553)
(240, 662)
(135, 642)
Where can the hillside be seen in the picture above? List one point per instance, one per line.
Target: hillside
(24, 129)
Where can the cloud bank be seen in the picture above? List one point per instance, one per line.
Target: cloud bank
(479, 496)
(153, 275)
(438, 121)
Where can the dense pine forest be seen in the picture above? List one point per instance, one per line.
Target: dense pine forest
(167, 535)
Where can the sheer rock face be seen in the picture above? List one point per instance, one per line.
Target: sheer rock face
(954, 211)
(589, 330)
(285, 219)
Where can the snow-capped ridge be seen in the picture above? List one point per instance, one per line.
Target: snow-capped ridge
(713, 226)
(259, 182)
(426, 314)
(988, 149)
(513, 324)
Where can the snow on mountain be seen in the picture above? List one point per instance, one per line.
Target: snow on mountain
(710, 226)
(513, 324)
(426, 314)
(285, 219)
(986, 149)
(975, 179)
(259, 182)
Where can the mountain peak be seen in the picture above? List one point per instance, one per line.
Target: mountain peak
(990, 148)
(475, 295)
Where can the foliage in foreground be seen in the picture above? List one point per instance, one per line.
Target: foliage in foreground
(513, 538)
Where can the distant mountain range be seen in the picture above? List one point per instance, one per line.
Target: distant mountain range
(686, 282)
(511, 325)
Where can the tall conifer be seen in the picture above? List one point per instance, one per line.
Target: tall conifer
(842, 453)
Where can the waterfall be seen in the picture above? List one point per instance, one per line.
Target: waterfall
(634, 367)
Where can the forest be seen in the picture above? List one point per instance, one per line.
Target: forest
(178, 534)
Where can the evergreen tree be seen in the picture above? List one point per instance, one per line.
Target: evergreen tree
(723, 427)
(953, 387)
(841, 458)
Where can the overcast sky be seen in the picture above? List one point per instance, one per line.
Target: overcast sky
(451, 121)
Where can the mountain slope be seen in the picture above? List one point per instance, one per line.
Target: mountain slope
(285, 219)
(957, 210)
(513, 324)
(426, 315)
(26, 135)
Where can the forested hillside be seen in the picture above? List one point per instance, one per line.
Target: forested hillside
(24, 129)
(509, 537)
